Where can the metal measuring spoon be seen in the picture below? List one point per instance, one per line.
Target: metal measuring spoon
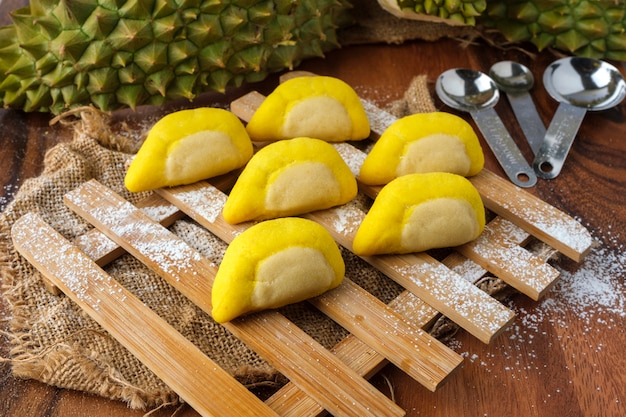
(578, 84)
(516, 81)
(476, 93)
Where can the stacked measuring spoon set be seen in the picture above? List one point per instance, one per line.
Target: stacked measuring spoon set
(578, 84)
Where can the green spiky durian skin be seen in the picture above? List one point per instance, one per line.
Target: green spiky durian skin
(461, 11)
(591, 28)
(62, 54)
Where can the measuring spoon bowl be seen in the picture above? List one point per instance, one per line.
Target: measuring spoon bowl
(579, 84)
(476, 93)
(516, 80)
(511, 76)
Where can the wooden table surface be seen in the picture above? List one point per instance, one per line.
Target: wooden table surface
(563, 356)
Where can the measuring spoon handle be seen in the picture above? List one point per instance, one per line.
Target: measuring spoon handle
(528, 118)
(558, 140)
(504, 148)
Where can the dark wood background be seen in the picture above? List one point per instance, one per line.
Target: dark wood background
(566, 361)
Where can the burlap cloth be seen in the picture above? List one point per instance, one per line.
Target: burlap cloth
(53, 341)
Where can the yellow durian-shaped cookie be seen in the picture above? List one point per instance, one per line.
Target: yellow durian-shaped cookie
(188, 146)
(289, 178)
(418, 212)
(275, 263)
(314, 106)
(423, 142)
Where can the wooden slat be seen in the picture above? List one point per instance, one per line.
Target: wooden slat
(103, 250)
(510, 262)
(299, 357)
(419, 355)
(180, 364)
(534, 215)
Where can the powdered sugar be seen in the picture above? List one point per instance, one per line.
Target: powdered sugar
(589, 300)
(379, 119)
(346, 219)
(208, 201)
(158, 212)
(352, 156)
(7, 195)
(595, 288)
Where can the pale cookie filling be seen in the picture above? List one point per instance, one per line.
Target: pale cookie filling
(306, 119)
(301, 186)
(437, 152)
(208, 148)
(443, 222)
(292, 274)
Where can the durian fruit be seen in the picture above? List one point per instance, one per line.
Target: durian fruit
(455, 12)
(62, 54)
(591, 28)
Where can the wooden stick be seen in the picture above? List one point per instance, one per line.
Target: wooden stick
(167, 353)
(511, 263)
(103, 250)
(300, 358)
(534, 215)
(419, 355)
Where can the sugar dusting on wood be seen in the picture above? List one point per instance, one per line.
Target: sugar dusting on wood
(73, 268)
(589, 297)
(208, 202)
(451, 289)
(158, 212)
(562, 228)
